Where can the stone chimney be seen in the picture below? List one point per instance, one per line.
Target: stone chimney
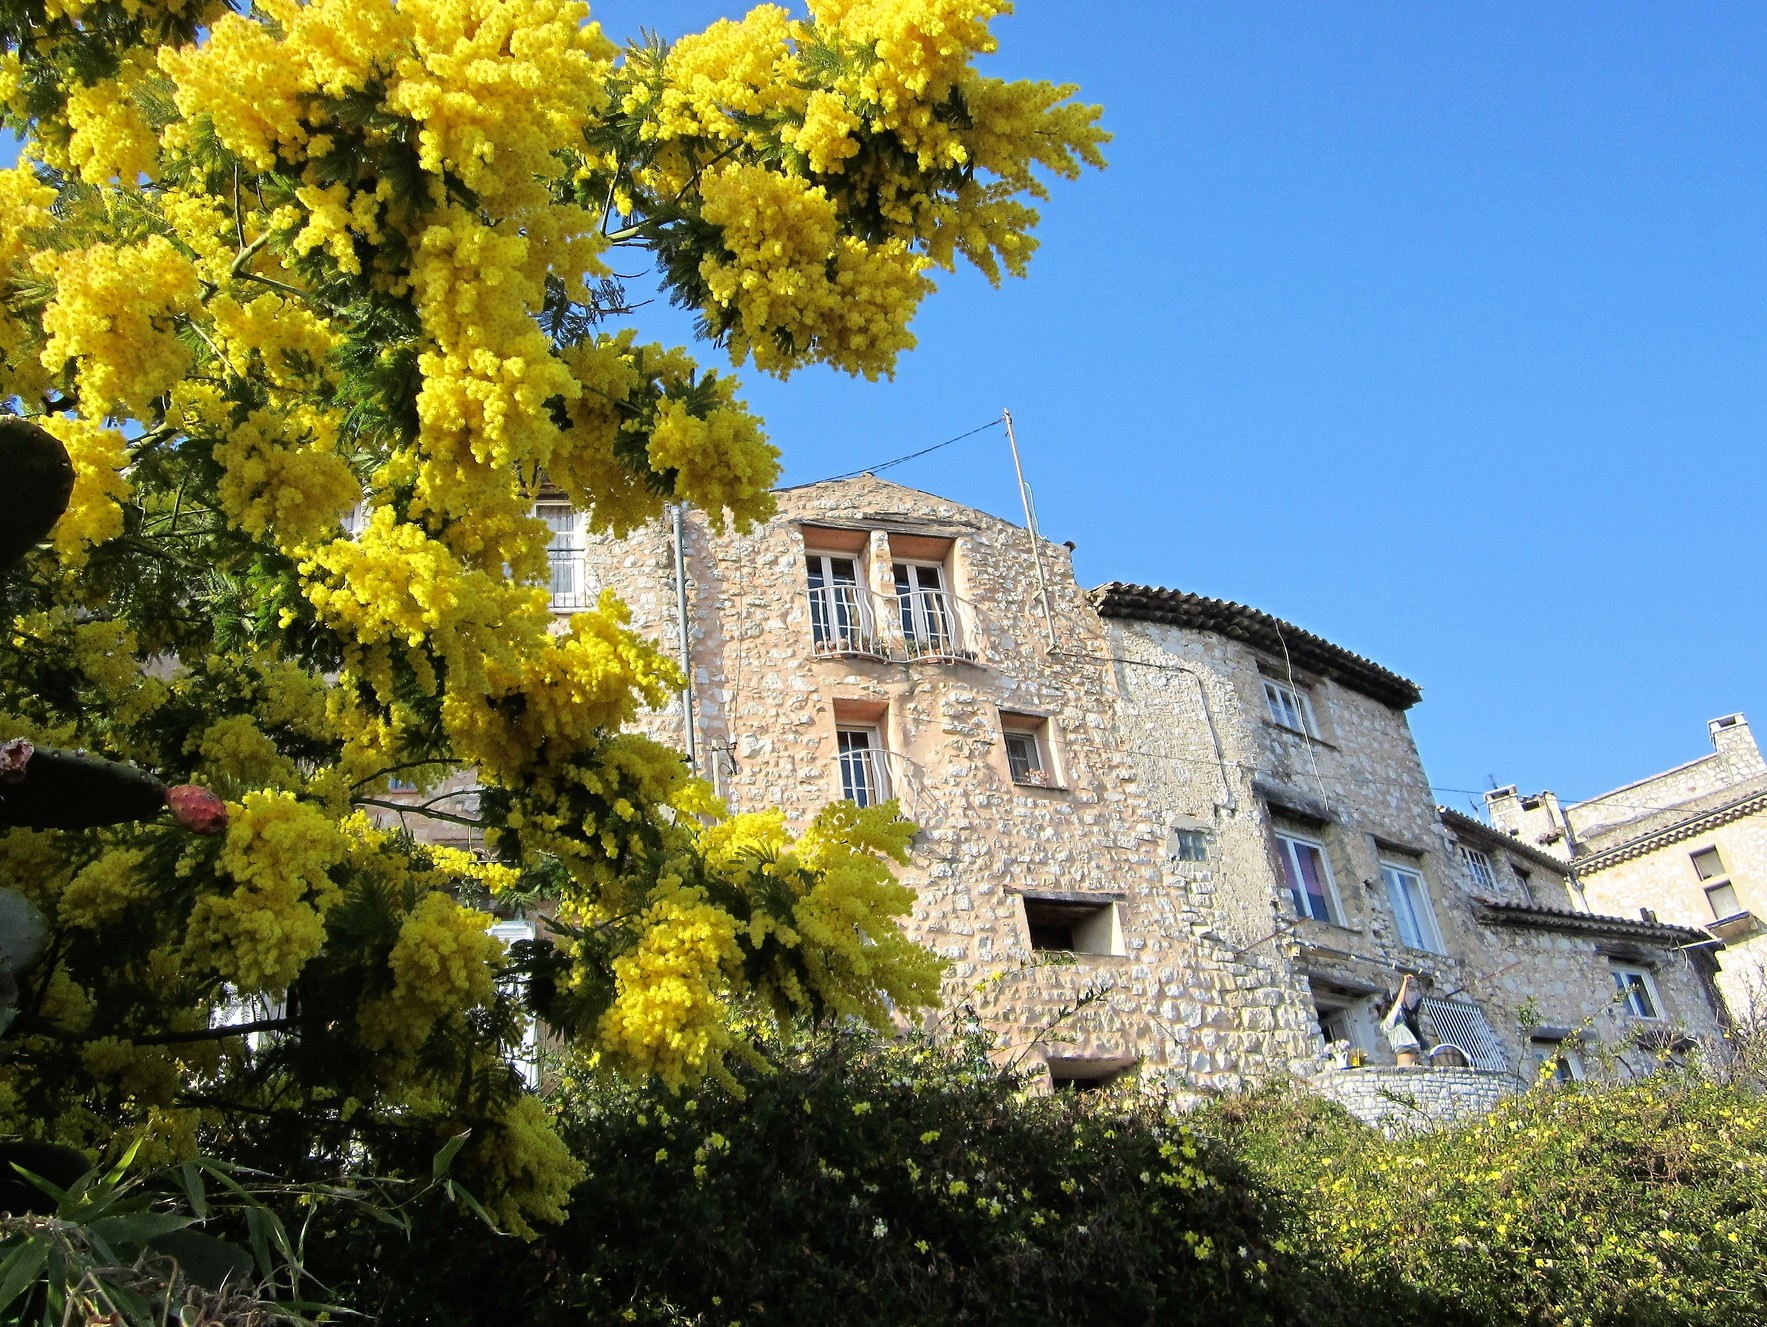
(1736, 747)
(1536, 819)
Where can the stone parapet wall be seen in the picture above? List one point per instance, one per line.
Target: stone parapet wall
(1405, 1101)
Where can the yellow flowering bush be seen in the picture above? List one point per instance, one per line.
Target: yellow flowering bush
(319, 296)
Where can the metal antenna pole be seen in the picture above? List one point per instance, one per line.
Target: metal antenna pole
(686, 641)
(1024, 493)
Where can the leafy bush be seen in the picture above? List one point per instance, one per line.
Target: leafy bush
(862, 1182)
(1640, 1204)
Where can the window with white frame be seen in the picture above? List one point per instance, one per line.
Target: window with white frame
(1307, 872)
(864, 777)
(1484, 874)
(1290, 707)
(840, 608)
(564, 550)
(1411, 906)
(1714, 877)
(1637, 990)
(1028, 758)
(926, 613)
(526, 1057)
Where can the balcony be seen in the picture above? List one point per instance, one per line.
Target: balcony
(865, 777)
(841, 622)
(930, 627)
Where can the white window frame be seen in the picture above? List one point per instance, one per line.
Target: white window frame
(1481, 867)
(927, 618)
(526, 1061)
(566, 570)
(1629, 978)
(1286, 843)
(875, 763)
(828, 633)
(1290, 708)
(1408, 895)
(1033, 729)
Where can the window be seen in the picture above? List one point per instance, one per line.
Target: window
(1411, 907)
(1190, 845)
(1483, 873)
(527, 1053)
(1027, 750)
(1308, 875)
(927, 615)
(1290, 707)
(840, 610)
(1638, 990)
(1566, 1065)
(564, 549)
(1073, 925)
(1084, 1075)
(1720, 894)
(1525, 880)
(863, 777)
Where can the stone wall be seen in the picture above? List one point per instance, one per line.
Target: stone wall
(1176, 999)
(1358, 789)
(1407, 1101)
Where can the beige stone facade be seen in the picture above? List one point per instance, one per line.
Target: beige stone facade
(1687, 846)
(874, 640)
(1159, 833)
(1294, 757)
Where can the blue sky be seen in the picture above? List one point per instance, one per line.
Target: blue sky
(1436, 329)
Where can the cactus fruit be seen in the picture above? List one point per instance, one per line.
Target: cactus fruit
(36, 480)
(48, 789)
(197, 809)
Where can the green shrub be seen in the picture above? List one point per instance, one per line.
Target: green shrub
(1638, 1204)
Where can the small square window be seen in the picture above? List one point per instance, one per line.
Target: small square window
(1192, 845)
(1708, 865)
(1637, 991)
(1073, 926)
(1566, 1066)
(1290, 708)
(1307, 873)
(1027, 750)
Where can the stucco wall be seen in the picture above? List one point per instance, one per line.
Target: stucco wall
(1664, 880)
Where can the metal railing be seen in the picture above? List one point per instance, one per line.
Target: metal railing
(865, 776)
(569, 590)
(841, 621)
(929, 625)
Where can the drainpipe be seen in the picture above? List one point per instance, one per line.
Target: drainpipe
(686, 642)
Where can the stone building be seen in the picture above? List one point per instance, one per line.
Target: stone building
(1286, 770)
(874, 641)
(1159, 833)
(1687, 846)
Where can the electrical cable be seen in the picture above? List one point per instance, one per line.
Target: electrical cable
(886, 465)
